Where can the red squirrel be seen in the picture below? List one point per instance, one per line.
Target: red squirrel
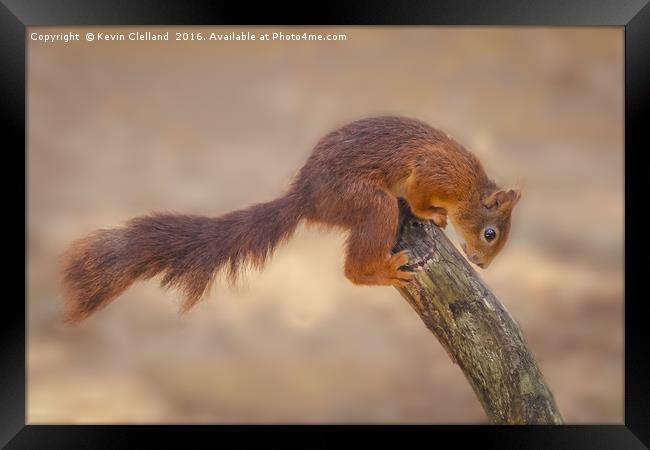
(351, 180)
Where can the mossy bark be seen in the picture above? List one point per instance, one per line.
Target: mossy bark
(475, 329)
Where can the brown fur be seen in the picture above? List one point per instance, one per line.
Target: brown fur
(351, 180)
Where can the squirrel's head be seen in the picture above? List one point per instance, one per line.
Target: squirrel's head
(484, 225)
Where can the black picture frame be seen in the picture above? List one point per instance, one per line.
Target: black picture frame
(633, 15)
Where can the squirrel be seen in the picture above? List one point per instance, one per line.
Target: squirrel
(351, 181)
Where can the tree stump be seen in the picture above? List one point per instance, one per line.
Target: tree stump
(475, 329)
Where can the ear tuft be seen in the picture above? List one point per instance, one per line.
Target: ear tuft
(514, 196)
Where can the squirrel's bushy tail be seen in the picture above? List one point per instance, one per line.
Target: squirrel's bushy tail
(187, 250)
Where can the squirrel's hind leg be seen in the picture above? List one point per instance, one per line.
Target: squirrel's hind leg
(368, 259)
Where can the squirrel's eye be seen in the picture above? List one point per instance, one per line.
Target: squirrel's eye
(489, 234)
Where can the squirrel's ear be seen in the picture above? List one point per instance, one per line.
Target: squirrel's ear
(493, 199)
(502, 199)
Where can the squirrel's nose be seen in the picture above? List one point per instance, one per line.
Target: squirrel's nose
(476, 259)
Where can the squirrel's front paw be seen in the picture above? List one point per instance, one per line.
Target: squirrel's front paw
(440, 220)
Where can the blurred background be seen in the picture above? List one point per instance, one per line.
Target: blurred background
(119, 129)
